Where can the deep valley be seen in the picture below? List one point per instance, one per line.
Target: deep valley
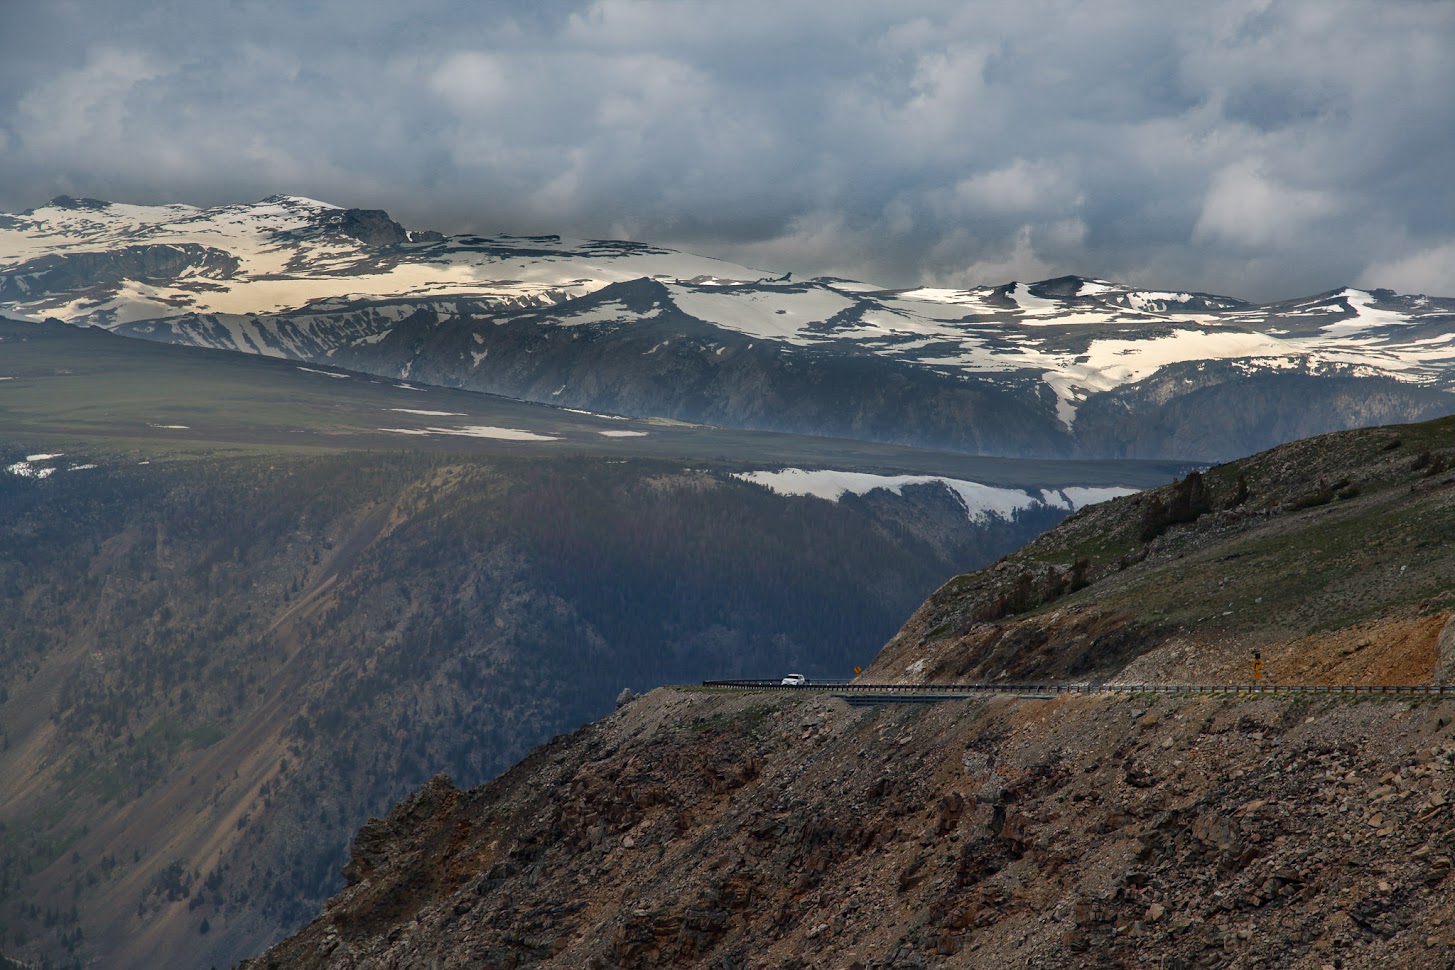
(242, 615)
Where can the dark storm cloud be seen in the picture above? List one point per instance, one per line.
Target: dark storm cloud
(1261, 149)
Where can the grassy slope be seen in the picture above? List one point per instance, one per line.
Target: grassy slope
(1329, 534)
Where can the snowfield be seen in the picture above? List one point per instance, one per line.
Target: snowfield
(478, 431)
(287, 258)
(981, 502)
(35, 466)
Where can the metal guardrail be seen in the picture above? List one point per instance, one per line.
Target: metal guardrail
(841, 686)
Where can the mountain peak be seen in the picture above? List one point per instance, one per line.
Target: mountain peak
(1066, 287)
(68, 202)
(372, 227)
(297, 202)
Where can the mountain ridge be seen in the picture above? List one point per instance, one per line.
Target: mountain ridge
(1014, 368)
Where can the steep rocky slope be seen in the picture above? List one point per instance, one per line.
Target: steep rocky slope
(756, 831)
(791, 829)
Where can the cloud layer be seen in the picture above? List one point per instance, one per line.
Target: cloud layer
(1261, 149)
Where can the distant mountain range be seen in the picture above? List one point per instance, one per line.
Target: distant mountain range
(1062, 367)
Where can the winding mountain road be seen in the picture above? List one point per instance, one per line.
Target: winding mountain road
(967, 690)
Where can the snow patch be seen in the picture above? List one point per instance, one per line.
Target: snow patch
(611, 311)
(775, 313)
(28, 469)
(1154, 301)
(848, 286)
(612, 433)
(478, 431)
(1367, 316)
(429, 414)
(981, 502)
(595, 414)
(1077, 496)
(1108, 364)
(934, 294)
(1030, 304)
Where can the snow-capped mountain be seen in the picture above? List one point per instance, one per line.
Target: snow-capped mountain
(1063, 366)
(107, 264)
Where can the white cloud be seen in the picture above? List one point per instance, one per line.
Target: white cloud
(1245, 207)
(1021, 186)
(1265, 150)
(1019, 262)
(821, 242)
(1430, 271)
(86, 108)
(472, 83)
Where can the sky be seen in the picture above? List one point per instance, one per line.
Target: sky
(1259, 149)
